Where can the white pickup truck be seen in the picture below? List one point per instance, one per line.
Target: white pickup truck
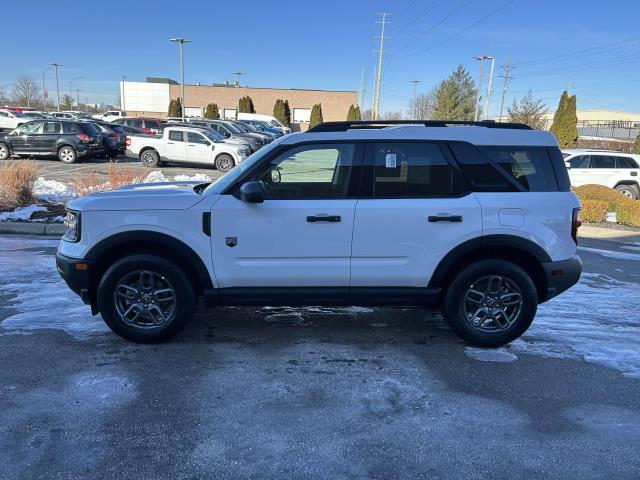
(186, 145)
(10, 120)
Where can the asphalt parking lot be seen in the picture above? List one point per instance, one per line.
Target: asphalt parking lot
(319, 392)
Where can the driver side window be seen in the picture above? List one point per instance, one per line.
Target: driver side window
(309, 172)
(28, 128)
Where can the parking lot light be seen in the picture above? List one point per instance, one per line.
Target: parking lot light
(181, 41)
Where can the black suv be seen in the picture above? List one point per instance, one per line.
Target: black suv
(114, 137)
(68, 140)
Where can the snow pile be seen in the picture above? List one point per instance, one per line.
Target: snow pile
(198, 177)
(53, 191)
(155, 176)
(22, 213)
(611, 217)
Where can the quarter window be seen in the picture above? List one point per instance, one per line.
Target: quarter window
(413, 170)
(68, 127)
(603, 161)
(529, 166)
(51, 128)
(625, 162)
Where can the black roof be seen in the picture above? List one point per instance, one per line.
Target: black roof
(351, 125)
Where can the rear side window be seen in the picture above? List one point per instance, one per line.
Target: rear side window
(603, 161)
(51, 128)
(136, 123)
(152, 124)
(529, 166)
(90, 129)
(413, 170)
(68, 127)
(176, 136)
(478, 170)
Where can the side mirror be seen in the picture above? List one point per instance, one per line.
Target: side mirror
(227, 134)
(251, 192)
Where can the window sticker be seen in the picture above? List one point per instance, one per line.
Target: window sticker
(390, 160)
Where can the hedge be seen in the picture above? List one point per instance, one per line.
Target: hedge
(629, 213)
(594, 211)
(600, 192)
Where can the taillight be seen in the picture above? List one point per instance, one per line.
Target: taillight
(148, 130)
(83, 137)
(575, 224)
(127, 141)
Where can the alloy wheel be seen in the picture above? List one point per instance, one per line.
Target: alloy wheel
(492, 303)
(224, 164)
(4, 152)
(66, 155)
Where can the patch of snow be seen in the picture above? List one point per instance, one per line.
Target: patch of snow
(597, 320)
(59, 218)
(22, 213)
(500, 355)
(155, 176)
(611, 253)
(198, 177)
(611, 217)
(53, 191)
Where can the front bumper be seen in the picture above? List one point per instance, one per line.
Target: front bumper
(75, 272)
(561, 275)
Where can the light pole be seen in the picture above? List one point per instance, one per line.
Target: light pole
(78, 97)
(181, 41)
(237, 74)
(56, 66)
(489, 89)
(122, 101)
(481, 58)
(28, 83)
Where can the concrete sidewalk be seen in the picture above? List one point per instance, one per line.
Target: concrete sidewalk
(611, 234)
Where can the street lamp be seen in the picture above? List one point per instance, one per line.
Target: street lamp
(56, 66)
(181, 41)
(489, 89)
(237, 74)
(122, 101)
(481, 58)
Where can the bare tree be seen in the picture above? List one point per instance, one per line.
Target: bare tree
(367, 115)
(424, 107)
(25, 91)
(392, 116)
(3, 94)
(528, 111)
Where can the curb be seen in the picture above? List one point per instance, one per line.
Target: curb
(610, 234)
(32, 228)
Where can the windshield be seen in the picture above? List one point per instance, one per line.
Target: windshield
(219, 185)
(274, 123)
(232, 127)
(241, 126)
(213, 135)
(250, 127)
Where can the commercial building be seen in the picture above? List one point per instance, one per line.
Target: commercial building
(151, 98)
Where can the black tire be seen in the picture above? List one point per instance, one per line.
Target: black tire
(115, 295)
(494, 329)
(224, 162)
(67, 154)
(630, 191)
(5, 152)
(150, 158)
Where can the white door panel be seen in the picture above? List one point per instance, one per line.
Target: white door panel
(175, 150)
(394, 244)
(277, 247)
(199, 153)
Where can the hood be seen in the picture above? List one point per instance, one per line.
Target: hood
(142, 196)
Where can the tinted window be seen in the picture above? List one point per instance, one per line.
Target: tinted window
(581, 161)
(28, 128)
(136, 123)
(413, 170)
(193, 137)
(90, 129)
(68, 127)
(603, 161)
(4, 114)
(51, 128)
(529, 166)
(152, 124)
(626, 162)
(176, 136)
(478, 170)
(309, 171)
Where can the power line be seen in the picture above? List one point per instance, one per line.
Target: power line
(415, 87)
(430, 6)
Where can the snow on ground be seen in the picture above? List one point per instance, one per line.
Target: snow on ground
(612, 217)
(22, 213)
(611, 254)
(198, 177)
(53, 191)
(500, 355)
(155, 176)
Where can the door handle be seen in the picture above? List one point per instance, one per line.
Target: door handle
(445, 218)
(324, 218)
(169, 143)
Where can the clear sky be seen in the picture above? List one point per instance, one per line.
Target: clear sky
(592, 46)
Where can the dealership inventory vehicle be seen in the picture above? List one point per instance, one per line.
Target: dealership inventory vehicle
(263, 127)
(113, 137)
(617, 170)
(151, 125)
(10, 119)
(271, 120)
(477, 219)
(248, 128)
(183, 144)
(65, 139)
(109, 116)
(228, 130)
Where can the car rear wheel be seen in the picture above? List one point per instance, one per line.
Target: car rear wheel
(490, 303)
(145, 298)
(5, 152)
(150, 158)
(67, 154)
(225, 162)
(630, 191)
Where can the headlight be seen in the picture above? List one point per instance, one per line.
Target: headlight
(72, 226)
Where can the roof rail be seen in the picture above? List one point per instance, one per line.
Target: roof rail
(344, 126)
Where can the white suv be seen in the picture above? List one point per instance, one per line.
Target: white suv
(613, 169)
(477, 219)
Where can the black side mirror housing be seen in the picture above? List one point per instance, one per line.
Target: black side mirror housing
(251, 192)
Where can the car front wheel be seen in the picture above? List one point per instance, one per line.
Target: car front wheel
(5, 152)
(225, 162)
(145, 298)
(490, 303)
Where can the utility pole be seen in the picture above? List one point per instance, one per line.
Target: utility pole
(56, 66)
(122, 101)
(481, 58)
(44, 95)
(373, 98)
(489, 90)
(383, 23)
(237, 74)
(507, 71)
(78, 97)
(362, 90)
(415, 109)
(181, 41)
(29, 83)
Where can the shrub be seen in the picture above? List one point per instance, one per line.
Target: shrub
(594, 211)
(600, 192)
(316, 115)
(212, 111)
(117, 176)
(628, 213)
(246, 105)
(636, 146)
(16, 184)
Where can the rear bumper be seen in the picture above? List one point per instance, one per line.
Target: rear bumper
(562, 275)
(76, 278)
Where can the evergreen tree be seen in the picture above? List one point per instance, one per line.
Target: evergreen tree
(572, 121)
(246, 105)
(67, 103)
(287, 114)
(316, 115)
(565, 121)
(558, 117)
(212, 111)
(356, 113)
(455, 97)
(279, 111)
(175, 108)
(636, 146)
(351, 113)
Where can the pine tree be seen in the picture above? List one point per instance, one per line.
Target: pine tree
(565, 121)
(287, 114)
(67, 102)
(212, 111)
(636, 146)
(455, 97)
(316, 115)
(558, 118)
(351, 113)
(279, 111)
(572, 121)
(246, 105)
(356, 114)
(175, 108)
